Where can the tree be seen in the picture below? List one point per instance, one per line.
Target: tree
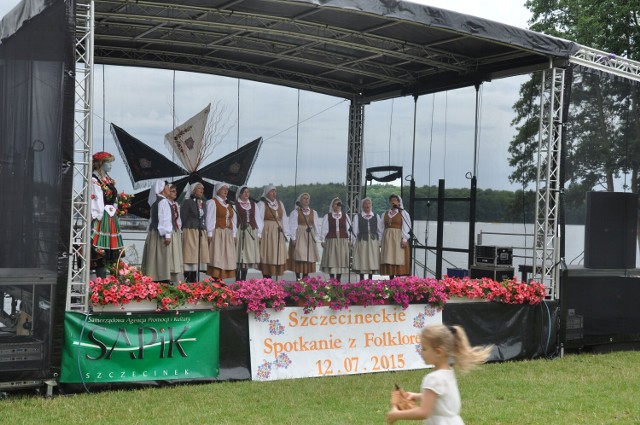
(602, 136)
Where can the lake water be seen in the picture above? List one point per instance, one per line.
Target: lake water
(514, 235)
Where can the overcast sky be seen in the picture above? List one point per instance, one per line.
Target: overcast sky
(141, 101)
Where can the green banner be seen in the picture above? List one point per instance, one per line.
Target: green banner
(140, 347)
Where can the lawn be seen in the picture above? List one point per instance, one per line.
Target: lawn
(575, 389)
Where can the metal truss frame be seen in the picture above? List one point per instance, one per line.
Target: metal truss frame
(607, 62)
(546, 252)
(354, 157)
(78, 277)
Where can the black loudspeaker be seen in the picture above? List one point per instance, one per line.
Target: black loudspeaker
(610, 230)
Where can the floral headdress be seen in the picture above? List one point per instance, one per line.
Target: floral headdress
(103, 157)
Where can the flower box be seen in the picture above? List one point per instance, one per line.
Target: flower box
(133, 307)
(198, 305)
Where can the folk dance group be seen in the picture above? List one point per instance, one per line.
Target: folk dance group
(227, 238)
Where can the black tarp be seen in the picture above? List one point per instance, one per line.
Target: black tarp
(37, 67)
(367, 49)
(517, 332)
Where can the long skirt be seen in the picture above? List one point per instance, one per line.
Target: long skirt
(190, 249)
(248, 248)
(155, 257)
(366, 256)
(304, 255)
(222, 249)
(175, 252)
(273, 250)
(106, 240)
(335, 256)
(394, 260)
(105, 233)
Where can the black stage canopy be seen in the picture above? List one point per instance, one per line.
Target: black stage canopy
(364, 50)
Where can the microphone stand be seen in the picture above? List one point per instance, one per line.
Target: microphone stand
(351, 248)
(242, 236)
(310, 233)
(204, 214)
(280, 231)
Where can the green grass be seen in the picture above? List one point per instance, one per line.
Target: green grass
(576, 389)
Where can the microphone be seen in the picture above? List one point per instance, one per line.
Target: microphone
(230, 202)
(397, 207)
(298, 204)
(263, 199)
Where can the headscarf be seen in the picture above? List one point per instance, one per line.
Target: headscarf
(267, 188)
(331, 204)
(399, 198)
(299, 198)
(239, 192)
(193, 187)
(219, 186)
(362, 203)
(157, 188)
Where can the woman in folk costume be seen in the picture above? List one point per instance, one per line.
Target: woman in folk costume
(367, 232)
(156, 254)
(249, 225)
(221, 231)
(106, 240)
(304, 228)
(195, 245)
(394, 252)
(273, 240)
(335, 241)
(175, 248)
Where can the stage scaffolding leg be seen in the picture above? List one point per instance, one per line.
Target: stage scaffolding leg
(546, 253)
(354, 157)
(78, 278)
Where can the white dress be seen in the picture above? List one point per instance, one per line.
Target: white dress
(446, 410)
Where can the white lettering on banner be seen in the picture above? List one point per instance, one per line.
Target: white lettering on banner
(291, 344)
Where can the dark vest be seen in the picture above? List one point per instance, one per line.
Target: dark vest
(154, 214)
(189, 214)
(109, 192)
(368, 229)
(247, 218)
(342, 222)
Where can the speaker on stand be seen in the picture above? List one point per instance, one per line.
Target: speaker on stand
(611, 230)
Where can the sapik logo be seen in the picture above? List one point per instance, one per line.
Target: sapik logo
(146, 342)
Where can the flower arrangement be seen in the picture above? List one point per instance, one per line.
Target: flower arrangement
(124, 203)
(309, 293)
(509, 291)
(260, 294)
(126, 284)
(211, 290)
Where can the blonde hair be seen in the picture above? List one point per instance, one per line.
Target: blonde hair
(454, 342)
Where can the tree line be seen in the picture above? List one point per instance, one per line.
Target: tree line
(492, 206)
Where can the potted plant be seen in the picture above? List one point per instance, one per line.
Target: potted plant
(126, 285)
(259, 294)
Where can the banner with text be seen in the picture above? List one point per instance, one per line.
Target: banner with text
(140, 347)
(290, 344)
